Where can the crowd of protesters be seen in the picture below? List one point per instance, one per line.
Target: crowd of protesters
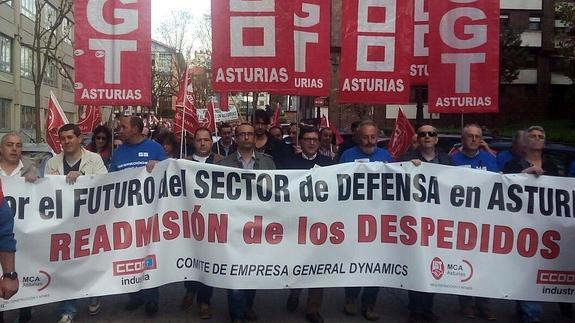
(258, 146)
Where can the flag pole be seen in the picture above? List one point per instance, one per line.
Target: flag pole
(184, 111)
(333, 138)
(215, 124)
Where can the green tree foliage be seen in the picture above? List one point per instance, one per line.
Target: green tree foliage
(512, 56)
(566, 38)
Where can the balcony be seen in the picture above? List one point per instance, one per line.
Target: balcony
(526, 76)
(522, 4)
(410, 111)
(560, 79)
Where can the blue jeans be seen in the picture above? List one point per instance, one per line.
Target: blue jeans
(147, 295)
(368, 298)
(68, 307)
(421, 303)
(238, 301)
(7, 241)
(204, 291)
(530, 311)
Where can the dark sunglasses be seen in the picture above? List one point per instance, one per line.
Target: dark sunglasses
(426, 133)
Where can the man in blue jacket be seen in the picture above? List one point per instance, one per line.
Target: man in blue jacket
(9, 282)
(471, 155)
(138, 151)
(366, 151)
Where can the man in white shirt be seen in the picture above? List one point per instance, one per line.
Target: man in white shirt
(11, 158)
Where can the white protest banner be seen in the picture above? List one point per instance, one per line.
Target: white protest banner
(226, 116)
(429, 228)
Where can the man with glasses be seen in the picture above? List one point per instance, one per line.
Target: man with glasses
(420, 303)
(535, 163)
(471, 155)
(366, 151)
(307, 159)
(241, 302)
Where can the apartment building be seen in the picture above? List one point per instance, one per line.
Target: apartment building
(17, 111)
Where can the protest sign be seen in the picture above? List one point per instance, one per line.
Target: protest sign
(430, 228)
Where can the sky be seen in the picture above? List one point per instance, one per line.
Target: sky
(161, 10)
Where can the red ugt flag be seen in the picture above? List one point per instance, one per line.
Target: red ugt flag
(186, 91)
(55, 118)
(276, 117)
(209, 120)
(324, 123)
(253, 45)
(402, 135)
(1, 194)
(464, 56)
(90, 119)
(186, 116)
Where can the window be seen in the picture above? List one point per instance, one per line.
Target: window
(49, 15)
(163, 62)
(51, 74)
(5, 54)
(504, 20)
(27, 117)
(26, 65)
(66, 82)
(531, 58)
(29, 8)
(67, 30)
(26, 62)
(534, 23)
(5, 114)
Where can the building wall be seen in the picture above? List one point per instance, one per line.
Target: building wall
(19, 90)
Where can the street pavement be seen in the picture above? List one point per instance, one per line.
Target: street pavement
(270, 307)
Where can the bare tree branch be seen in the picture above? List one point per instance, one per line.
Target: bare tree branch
(48, 18)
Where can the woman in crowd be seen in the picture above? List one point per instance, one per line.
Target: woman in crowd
(102, 143)
(170, 143)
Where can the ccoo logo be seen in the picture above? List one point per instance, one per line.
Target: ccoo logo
(437, 268)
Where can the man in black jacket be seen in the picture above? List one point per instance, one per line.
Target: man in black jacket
(309, 157)
(535, 163)
(420, 303)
